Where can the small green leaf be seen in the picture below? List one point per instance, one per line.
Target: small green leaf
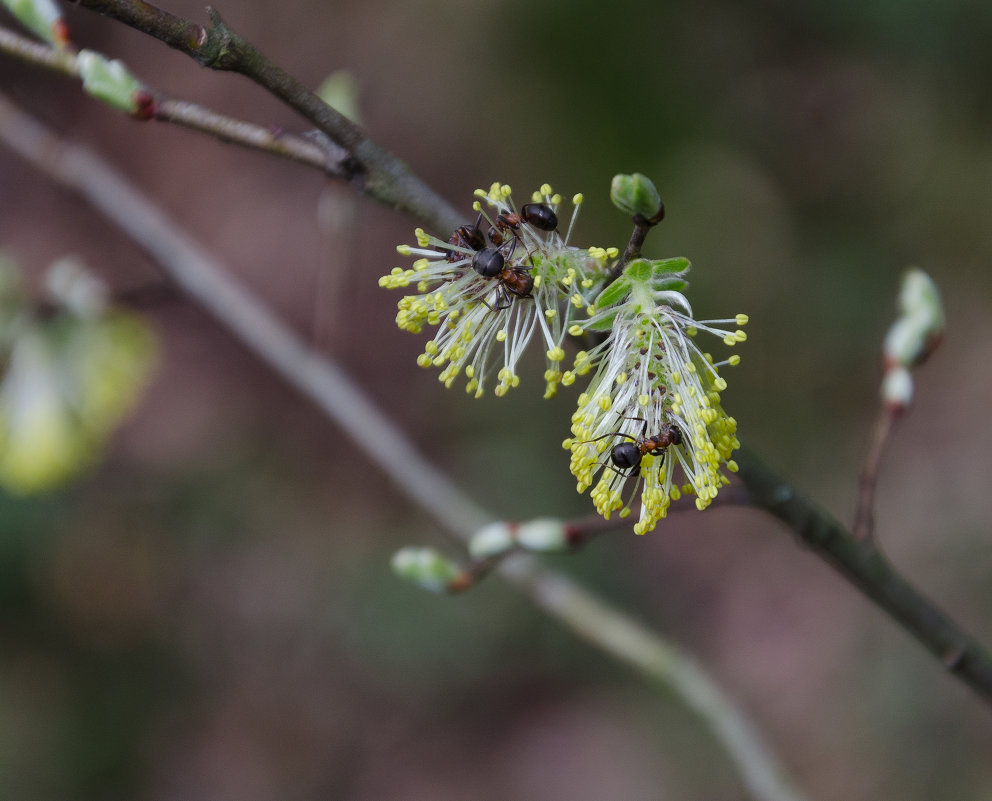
(662, 267)
(614, 293)
(671, 285)
(639, 270)
(109, 81)
(605, 324)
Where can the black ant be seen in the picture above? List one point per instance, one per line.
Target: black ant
(626, 456)
(539, 215)
(490, 263)
(466, 236)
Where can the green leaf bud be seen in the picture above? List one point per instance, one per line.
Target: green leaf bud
(426, 568)
(42, 17)
(109, 81)
(545, 534)
(340, 91)
(919, 329)
(897, 389)
(637, 195)
(492, 540)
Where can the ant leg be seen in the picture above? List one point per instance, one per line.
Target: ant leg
(627, 417)
(622, 474)
(611, 434)
(513, 246)
(503, 300)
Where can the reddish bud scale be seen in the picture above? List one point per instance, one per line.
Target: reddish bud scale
(144, 105)
(60, 32)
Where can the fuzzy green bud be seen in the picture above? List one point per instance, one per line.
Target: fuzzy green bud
(897, 389)
(109, 81)
(637, 196)
(426, 568)
(920, 327)
(492, 540)
(544, 534)
(340, 91)
(42, 17)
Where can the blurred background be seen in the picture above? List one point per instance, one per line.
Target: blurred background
(210, 613)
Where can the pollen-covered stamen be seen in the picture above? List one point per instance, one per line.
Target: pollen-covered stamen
(576, 203)
(490, 301)
(664, 390)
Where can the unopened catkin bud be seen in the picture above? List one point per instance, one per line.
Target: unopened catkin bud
(426, 568)
(637, 195)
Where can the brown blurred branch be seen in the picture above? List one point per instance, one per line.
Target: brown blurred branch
(860, 561)
(322, 381)
(372, 170)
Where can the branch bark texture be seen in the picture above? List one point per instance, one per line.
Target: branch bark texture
(374, 171)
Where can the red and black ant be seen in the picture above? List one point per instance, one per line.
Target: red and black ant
(626, 456)
(539, 215)
(466, 236)
(490, 263)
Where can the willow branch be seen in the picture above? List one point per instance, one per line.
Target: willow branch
(374, 171)
(159, 106)
(860, 561)
(326, 385)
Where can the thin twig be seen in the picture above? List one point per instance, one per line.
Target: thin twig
(159, 106)
(373, 171)
(864, 516)
(580, 532)
(633, 249)
(319, 379)
(60, 59)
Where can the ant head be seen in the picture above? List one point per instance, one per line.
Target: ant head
(488, 262)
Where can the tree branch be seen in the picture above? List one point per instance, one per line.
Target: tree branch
(159, 106)
(866, 568)
(374, 171)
